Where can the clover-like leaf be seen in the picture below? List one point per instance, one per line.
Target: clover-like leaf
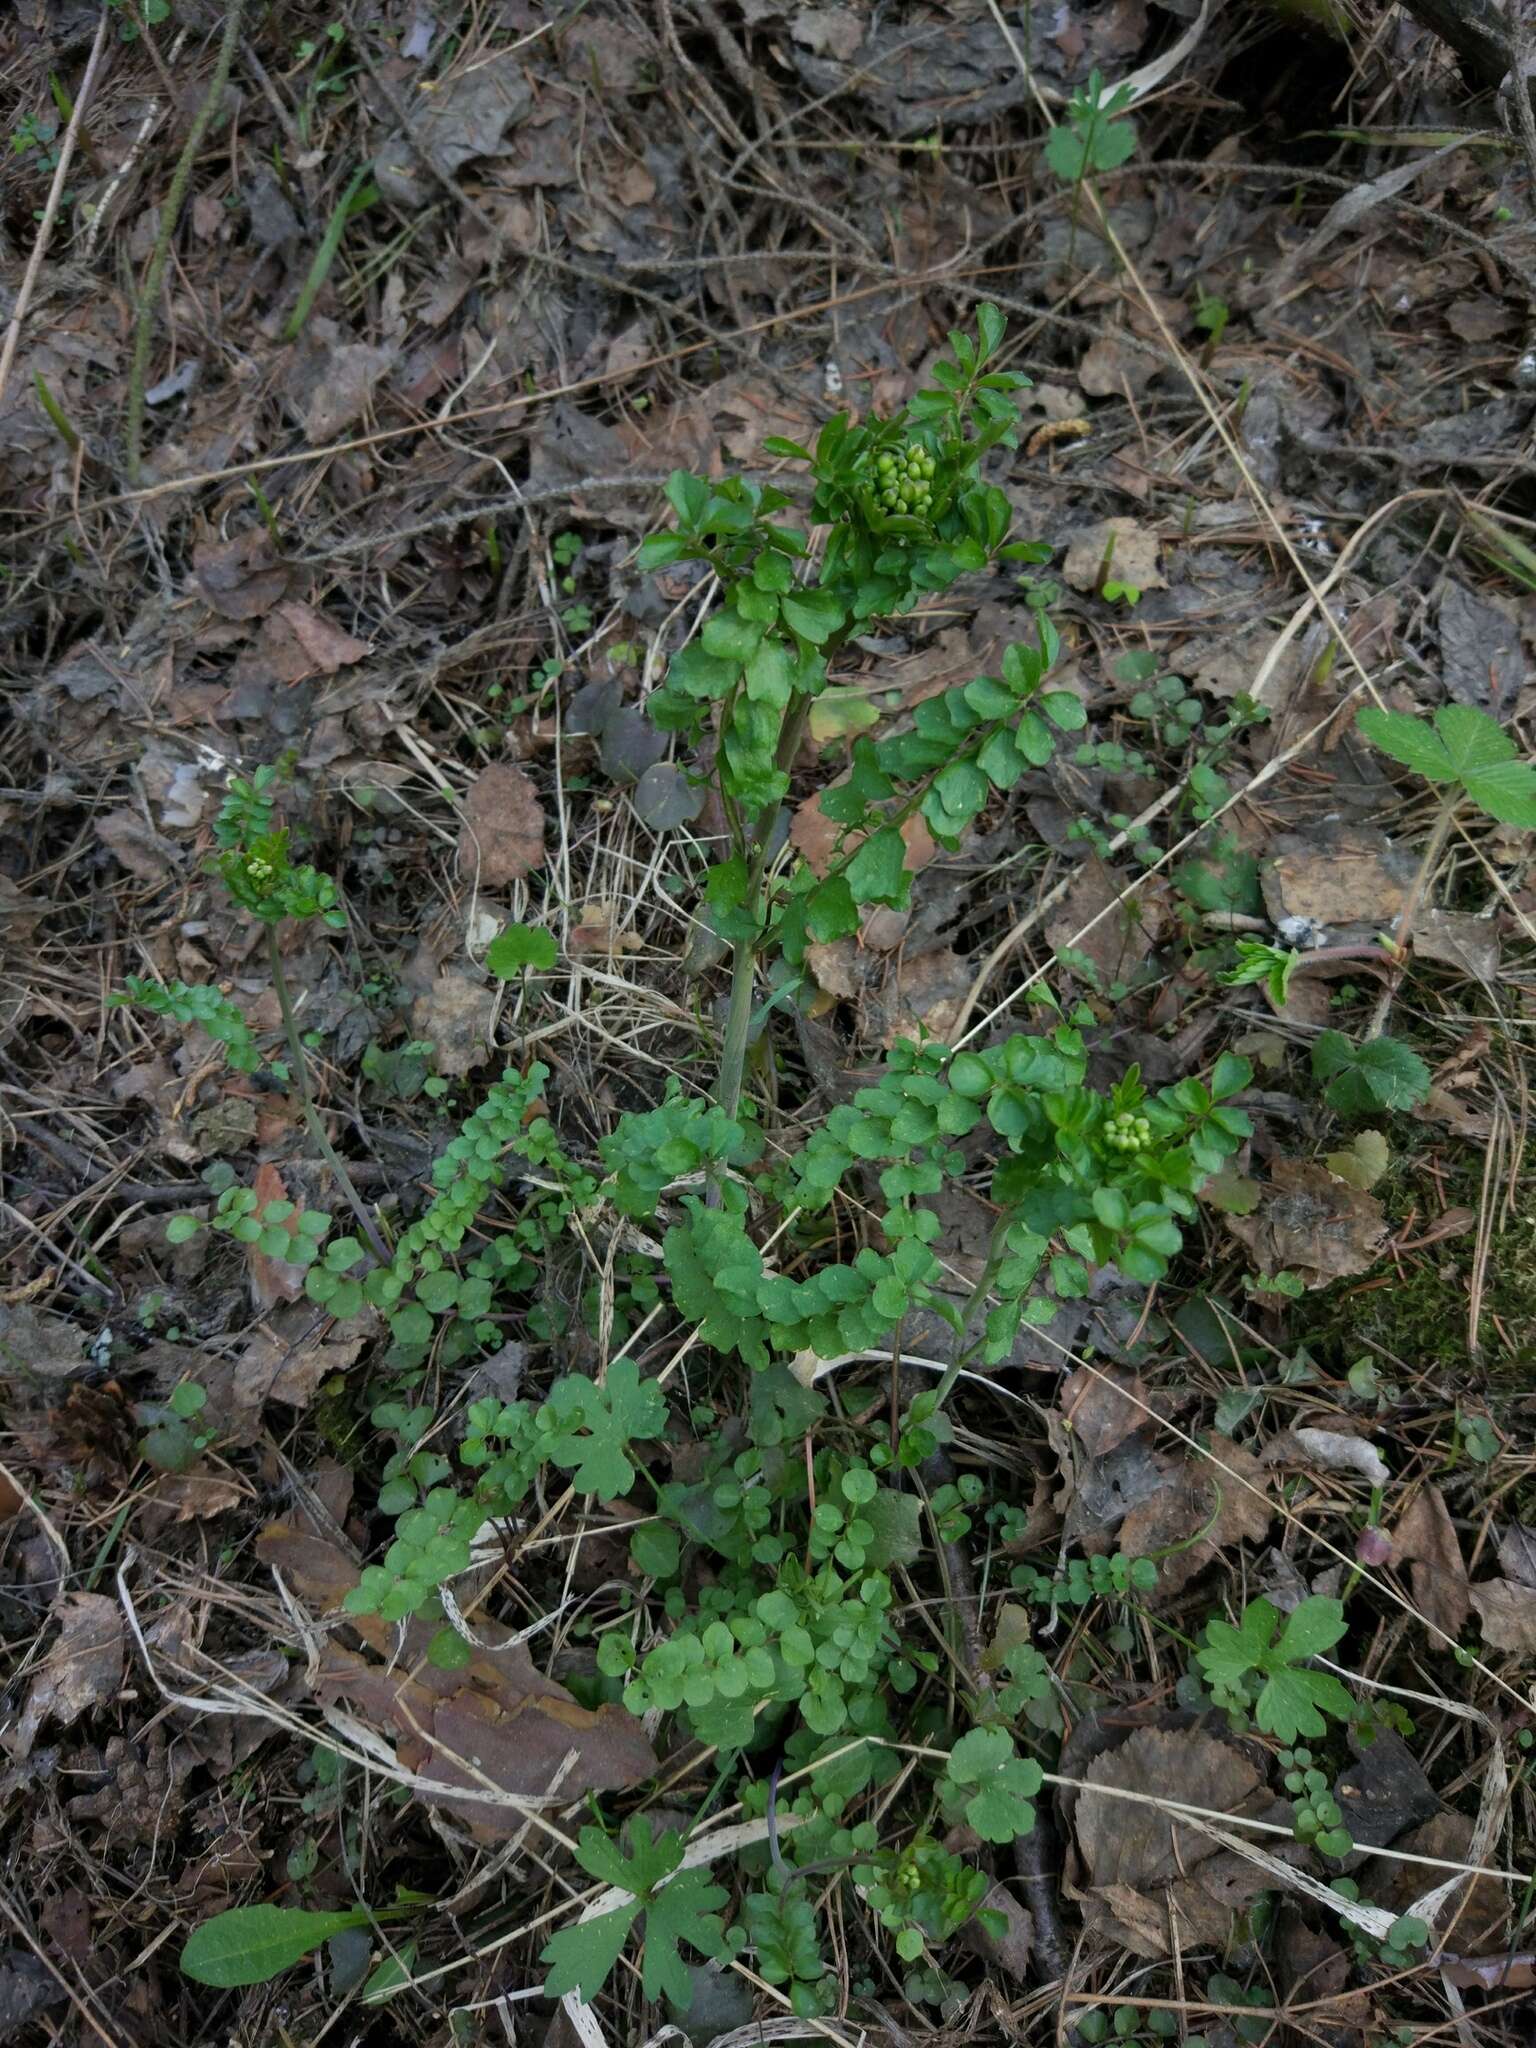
(992, 1785)
(587, 1427)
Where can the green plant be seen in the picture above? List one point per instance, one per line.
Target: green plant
(1090, 141)
(1253, 1668)
(1465, 752)
(765, 1615)
(1318, 1818)
(907, 515)
(1382, 1073)
(675, 1904)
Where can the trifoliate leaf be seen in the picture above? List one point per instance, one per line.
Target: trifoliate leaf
(1463, 745)
(589, 1426)
(992, 1785)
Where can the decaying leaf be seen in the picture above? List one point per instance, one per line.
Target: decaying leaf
(496, 1726)
(1335, 1450)
(1217, 1501)
(1104, 917)
(1098, 1412)
(455, 1014)
(241, 578)
(1426, 1534)
(502, 839)
(1133, 561)
(273, 1279)
(1156, 1883)
(1507, 1612)
(82, 1670)
(1459, 939)
(297, 641)
(463, 119)
(1339, 877)
(1517, 1553)
(1313, 1224)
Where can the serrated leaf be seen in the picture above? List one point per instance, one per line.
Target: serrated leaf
(686, 1909)
(1463, 745)
(592, 1425)
(1293, 1702)
(520, 946)
(581, 1957)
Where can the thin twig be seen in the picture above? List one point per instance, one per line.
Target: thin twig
(55, 200)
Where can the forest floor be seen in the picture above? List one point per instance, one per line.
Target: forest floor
(447, 294)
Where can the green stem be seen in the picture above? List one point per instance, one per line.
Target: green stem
(738, 1015)
(997, 1251)
(312, 1116)
(169, 215)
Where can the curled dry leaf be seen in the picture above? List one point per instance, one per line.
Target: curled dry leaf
(82, 1670)
(1438, 1577)
(1336, 1451)
(1313, 1224)
(1517, 1553)
(1508, 1615)
(502, 838)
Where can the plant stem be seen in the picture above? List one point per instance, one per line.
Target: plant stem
(738, 1015)
(169, 214)
(996, 1252)
(312, 1115)
(1403, 937)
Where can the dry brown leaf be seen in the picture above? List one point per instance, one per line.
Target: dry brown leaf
(273, 1280)
(1460, 939)
(497, 1724)
(341, 384)
(297, 641)
(1230, 1506)
(241, 578)
(1110, 366)
(1508, 1614)
(1092, 920)
(190, 1496)
(1426, 1534)
(1311, 1223)
(927, 995)
(82, 1670)
(1477, 1913)
(134, 842)
(1339, 876)
(1517, 1553)
(502, 838)
(1134, 559)
(455, 1014)
(1144, 1866)
(319, 1571)
(1098, 1412)
(600, 928)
